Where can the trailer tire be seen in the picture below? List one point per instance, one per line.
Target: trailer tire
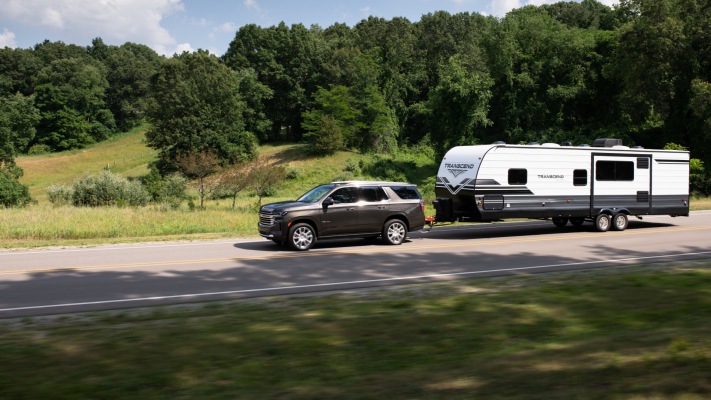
(577, 221)
(560, 222)
(619, 222)
(602, 223)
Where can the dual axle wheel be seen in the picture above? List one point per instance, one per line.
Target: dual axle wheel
(603, 222)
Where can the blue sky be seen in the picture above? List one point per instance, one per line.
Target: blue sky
(170, 26)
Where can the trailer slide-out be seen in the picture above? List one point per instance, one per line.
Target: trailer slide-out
(604, 183)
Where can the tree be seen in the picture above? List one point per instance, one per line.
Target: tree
(335, 114)
(18, 117)
(197, 106)
(71, 98)
(199, 165)
(264, 172)
(12, 192)
(130, 68)
(651, 65)
(459, 103)
(288, 61)
(235, 179)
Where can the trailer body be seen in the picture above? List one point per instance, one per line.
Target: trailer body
(564, 183)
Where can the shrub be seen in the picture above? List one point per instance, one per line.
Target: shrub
(171, 189)
(108, 189)
(60, 194)
(12, 192)
(39, 149)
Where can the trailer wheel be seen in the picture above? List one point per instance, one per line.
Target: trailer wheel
(577, 221)
(619, 222)
(560, 222)
(602, 223)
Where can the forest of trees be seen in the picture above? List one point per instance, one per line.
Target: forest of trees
(570, 71)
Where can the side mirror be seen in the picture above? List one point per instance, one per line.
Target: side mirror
(327, 202)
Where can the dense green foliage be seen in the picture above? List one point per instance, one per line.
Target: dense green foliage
(196, 107)
(12, 192)
(570, 71)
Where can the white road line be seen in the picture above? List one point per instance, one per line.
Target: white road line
(335, 284)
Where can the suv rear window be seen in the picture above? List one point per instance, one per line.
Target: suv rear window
(406, 192)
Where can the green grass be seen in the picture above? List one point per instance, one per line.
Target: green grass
(627, 333)
(126, 154)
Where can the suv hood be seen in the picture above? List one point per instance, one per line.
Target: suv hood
(286, 206)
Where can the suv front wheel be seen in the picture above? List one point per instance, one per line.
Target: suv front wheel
(394, 232)
(301, 237)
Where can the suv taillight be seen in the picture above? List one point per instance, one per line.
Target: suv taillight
(422, 205)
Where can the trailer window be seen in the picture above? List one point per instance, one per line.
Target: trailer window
(518, 176)
(614, 171)
(580, 177)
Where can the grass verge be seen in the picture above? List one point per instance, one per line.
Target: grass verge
(625, 333)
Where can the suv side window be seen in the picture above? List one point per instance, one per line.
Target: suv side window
(345, 195)
(372, 194)
(406, 192)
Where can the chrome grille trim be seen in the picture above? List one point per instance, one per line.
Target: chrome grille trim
(266, 219)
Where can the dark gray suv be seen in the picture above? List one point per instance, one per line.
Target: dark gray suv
(345, 209)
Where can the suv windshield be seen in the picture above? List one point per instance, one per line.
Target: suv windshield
(315, 194)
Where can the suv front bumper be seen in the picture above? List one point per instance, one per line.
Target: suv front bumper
(272, 232)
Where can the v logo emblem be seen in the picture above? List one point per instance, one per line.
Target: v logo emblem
(454, 189)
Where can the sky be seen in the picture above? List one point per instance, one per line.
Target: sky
(174, 26)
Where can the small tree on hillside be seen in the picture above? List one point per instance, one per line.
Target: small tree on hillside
(235, 179)
(199, 166)
(264, 172)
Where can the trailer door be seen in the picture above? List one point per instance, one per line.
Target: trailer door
(621, 181)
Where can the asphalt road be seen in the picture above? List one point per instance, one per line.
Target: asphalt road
(44, 282)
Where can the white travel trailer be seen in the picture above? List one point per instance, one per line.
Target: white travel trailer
(605, 183)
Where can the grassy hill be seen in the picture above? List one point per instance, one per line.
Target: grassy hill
(126, 154)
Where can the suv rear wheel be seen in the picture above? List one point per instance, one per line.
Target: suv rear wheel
(394, 231)
(301, 237)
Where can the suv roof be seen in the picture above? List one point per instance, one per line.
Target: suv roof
(379, 183)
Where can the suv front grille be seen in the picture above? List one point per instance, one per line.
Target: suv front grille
(266, 219)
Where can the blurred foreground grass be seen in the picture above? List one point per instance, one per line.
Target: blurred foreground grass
(624, 333)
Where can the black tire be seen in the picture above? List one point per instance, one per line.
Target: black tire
(394, 232)
(577, 221)
(560, 222)
(602, 223)
(301, 237)
(619, 222)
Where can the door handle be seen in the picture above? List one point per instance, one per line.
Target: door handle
(381, 207)
(351, 209)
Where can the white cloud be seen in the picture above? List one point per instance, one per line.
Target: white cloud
(115, 21)
(227, 27)
(252, 4)
(499, 8)
(7, 39)
(183, 47)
